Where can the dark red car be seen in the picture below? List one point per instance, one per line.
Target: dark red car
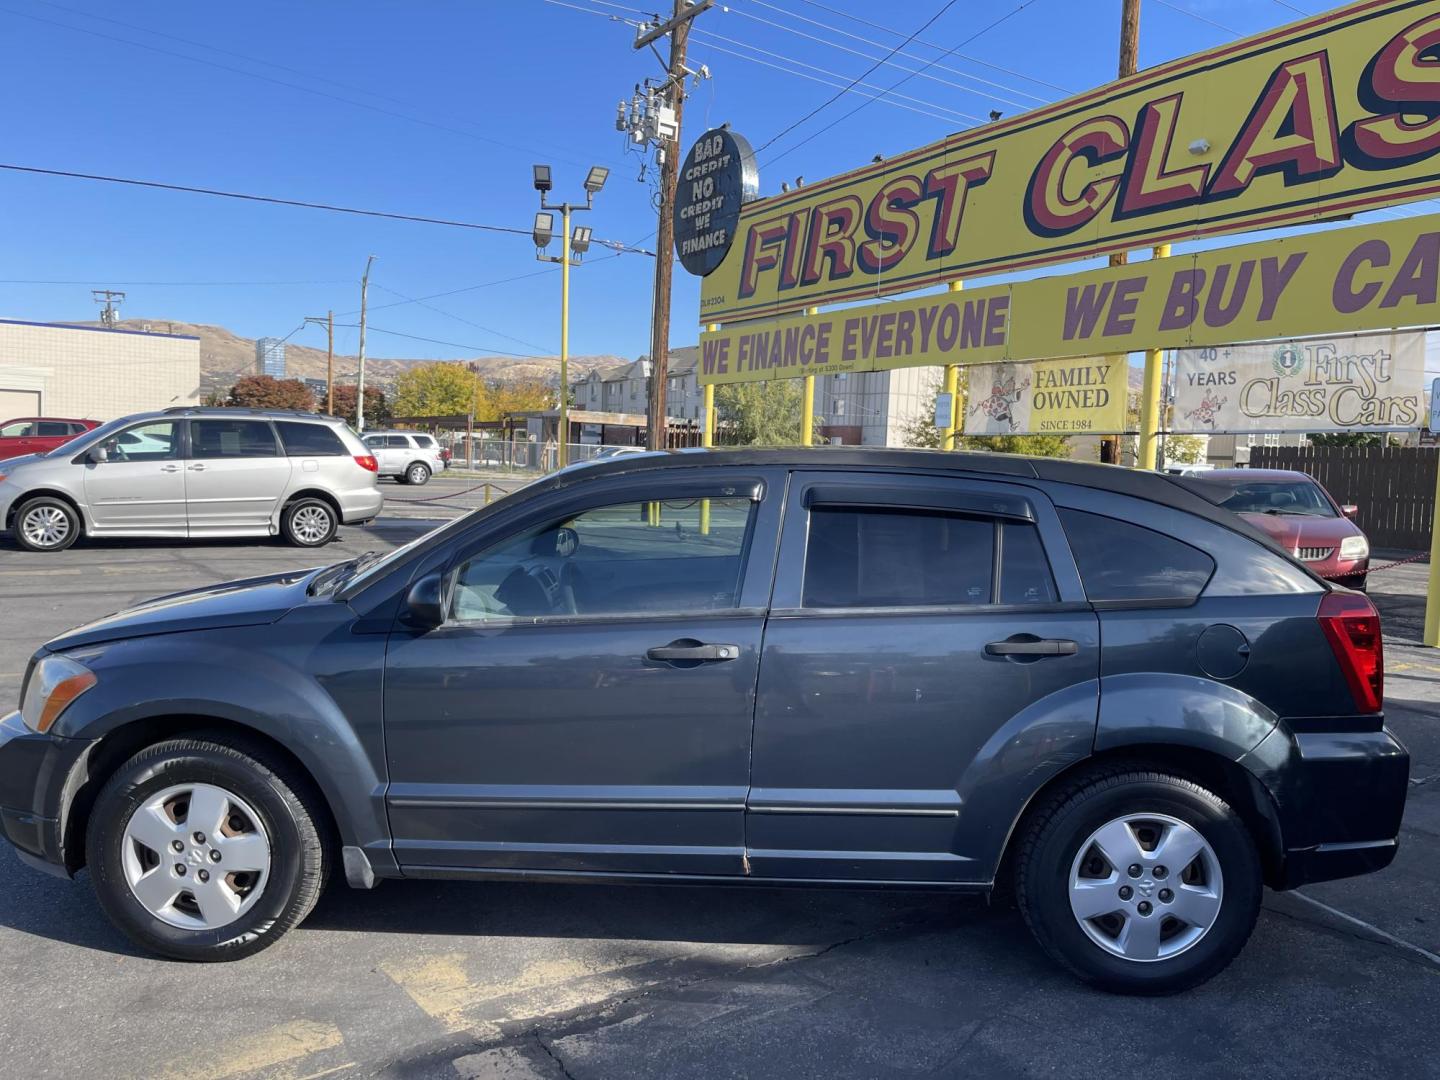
(39, 434)
(1301, 517)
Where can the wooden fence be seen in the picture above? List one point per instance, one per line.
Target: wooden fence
(1394, 487)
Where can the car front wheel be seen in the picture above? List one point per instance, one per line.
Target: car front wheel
(46, 523)
(1138, 881)
(309, 523)
(203, 850)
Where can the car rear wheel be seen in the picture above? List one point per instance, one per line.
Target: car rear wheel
(203, 850)
(46, 523)
(1138, 881)
(417, 474)
(309, 522)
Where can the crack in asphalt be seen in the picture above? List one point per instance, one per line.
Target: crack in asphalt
(552, 1055)
(1338, 931)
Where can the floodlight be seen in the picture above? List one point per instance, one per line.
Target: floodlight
(542, 178)
(596, 180)
(544, 230)
(580, 241)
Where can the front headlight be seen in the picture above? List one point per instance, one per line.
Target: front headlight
(1354, 547)
(54, 683)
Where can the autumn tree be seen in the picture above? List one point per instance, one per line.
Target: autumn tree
(268, 392)
(502, 396)
(377, 407)
(438, 389)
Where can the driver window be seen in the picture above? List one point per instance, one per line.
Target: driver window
(627, 558)
(147, 442)
(24, 429)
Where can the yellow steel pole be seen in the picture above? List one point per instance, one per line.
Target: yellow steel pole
(807, 406)
(563, 434)
(707, 440)
(1150, 395)
(1432, 591)
(952, 387)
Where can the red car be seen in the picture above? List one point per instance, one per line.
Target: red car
(39, 434)
(1301, 517)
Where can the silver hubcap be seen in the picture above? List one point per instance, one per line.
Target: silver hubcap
(46, 526)
(1146, 887)
(418, 474)
(311, 524)
(196, 856)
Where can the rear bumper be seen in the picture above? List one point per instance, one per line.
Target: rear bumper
(37, 774)
(360, 505)
(1340, 797)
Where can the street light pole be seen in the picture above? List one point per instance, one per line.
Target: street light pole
(360, 393)
(573, 246)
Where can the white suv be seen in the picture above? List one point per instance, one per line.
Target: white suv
(408, 456)
(194, 472)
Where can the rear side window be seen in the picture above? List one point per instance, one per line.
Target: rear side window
(231, 439)
(309, 440)
(1025, 576)
(424, 440)
(396, 440)
(1122, 562)
(52, 428)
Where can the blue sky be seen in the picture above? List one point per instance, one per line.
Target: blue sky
(438, 108)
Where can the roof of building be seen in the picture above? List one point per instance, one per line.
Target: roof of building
(98, 329)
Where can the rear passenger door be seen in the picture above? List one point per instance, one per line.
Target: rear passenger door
(235, 476)
(928, 654)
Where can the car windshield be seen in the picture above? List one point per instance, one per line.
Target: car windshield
(91, 437)
(1301, 497)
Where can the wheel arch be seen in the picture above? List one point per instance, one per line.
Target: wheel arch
(117, 746)
(1239, 787)
(54, 493)
(309, 493)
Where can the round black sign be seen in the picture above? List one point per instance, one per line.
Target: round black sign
(716, 178)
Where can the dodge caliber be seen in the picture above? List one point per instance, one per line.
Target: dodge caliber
(1086, 686)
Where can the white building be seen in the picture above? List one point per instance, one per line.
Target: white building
(625, 388)
(92, 373)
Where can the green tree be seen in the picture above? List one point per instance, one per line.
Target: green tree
(1184, 449)
(267, 392)
(763, 413)
(922, 432)
(377, 407)
(1351, 438)
(437, 389)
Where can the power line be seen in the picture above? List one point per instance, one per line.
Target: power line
(460, 345)
(979, 33)
(277, 201)
(929, 45)
(274, 81)
(868, 72)
(457, 318)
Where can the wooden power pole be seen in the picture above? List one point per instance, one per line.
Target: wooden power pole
(1129, 61)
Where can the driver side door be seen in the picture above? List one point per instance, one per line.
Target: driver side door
(587, 704)
(140, 488)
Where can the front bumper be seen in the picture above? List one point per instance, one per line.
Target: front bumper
(1340, 797)
(37, 781)
(1348, 572)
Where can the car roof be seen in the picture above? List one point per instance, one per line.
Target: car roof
(50, 419)
(226, 411)
(1257, 474)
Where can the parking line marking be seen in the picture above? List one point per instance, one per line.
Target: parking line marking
(286, 1042)
(437, 984)
(1400, 943)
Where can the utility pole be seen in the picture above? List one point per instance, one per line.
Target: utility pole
(660, 123)
(1129, 60)
(360, 393)
(109, 316)
(329, 323)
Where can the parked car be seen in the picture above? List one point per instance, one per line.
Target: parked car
(607, 452)
(1300, 516)
(878, 667)
(28, 435)
(408, 457)
(194, 472)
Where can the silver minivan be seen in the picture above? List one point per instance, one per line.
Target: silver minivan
(194, 472)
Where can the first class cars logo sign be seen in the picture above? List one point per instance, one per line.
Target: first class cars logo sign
(1365, 382)
(1326, 117)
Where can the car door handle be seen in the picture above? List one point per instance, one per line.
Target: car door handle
(1032, 646)
(196, 468)
(169, 468)
(685, 649)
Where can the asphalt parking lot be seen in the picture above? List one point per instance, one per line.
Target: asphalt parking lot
(426, 979)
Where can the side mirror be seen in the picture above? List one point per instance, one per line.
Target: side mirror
(99, 455)
(424, 603)
(1349, 510)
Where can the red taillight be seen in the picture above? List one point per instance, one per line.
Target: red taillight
(367, 461)
(1352, 624)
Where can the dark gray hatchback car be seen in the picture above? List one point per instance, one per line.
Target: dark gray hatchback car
(872, 667)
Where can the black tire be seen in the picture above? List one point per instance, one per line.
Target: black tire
(418, 473)
(288, 809)
(309, 522)
(1050, 844)
(59, 517)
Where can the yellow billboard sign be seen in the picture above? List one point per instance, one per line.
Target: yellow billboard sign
(1051, 397)
(1331, 115)
(1367, 277)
